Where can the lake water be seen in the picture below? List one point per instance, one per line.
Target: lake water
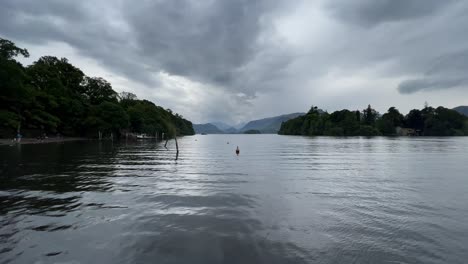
(282, 200)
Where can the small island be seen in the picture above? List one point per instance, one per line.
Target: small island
(252, 131)
(428, 121)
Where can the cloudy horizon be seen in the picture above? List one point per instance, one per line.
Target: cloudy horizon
(234, 61)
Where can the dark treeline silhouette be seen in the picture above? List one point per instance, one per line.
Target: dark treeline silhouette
(429, 121)
(252, 131)
(52, 96)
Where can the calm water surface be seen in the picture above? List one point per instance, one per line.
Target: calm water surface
(283, 200)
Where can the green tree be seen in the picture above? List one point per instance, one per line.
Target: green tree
(15, 95)
(388, 123)
(414, 119)
(56, 76)
(8, 50)
(107, 117)
(369, 131)
(52, 95)
(98, 90)
(443, 122)
(146, 117)
(127, 96)
(58, 89)
(370, 116)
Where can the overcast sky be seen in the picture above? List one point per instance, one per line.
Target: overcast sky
(237, 60)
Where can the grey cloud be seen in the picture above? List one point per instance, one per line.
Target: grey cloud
(428, 40)
(373, 12)
(206, 41)
(451, 64)
(448, 71)
(47, 8)
(39, 22)
(416, 85)
(234, 45)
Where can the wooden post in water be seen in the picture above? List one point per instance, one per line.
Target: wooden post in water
(177, 147)
(18, 133)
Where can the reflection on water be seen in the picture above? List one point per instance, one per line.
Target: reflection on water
(283, 200)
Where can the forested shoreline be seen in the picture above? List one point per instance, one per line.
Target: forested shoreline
(53, 97)
(428, 121)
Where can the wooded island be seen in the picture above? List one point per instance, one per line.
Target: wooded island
(429, 121)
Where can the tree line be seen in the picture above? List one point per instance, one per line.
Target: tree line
(428, 121)
(51, 96)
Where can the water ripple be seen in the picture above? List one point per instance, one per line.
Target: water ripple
(283, 200)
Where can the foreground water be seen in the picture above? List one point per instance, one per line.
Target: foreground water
(283, 200)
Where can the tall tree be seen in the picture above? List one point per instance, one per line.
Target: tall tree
(370, 115)
(8, 50)
(107, 117)
(98, 90)
(414, 119)
(15, 95)
(58, 88)
(390, 121)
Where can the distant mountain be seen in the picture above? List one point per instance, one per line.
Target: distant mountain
(221, 125)
(269, 125)
(231, 131)
(239, 125)
(225, 127)
(207, 129)
(462, 110)
(265, 126)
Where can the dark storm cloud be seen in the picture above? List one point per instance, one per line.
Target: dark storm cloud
(37, 21)
(195, 38)
(207, 41)
(245, 49)
(449, 71)
(47, 8)
(76, 24)
(415, 85)
(421, 37)
(373, 12)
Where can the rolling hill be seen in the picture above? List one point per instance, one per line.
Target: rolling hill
(462, 110)
(224, 127)
(207, 129)
(269, 125)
